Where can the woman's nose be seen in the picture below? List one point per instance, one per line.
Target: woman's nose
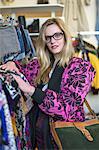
(52, 40)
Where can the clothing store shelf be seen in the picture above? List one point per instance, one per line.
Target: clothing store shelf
(36, 10)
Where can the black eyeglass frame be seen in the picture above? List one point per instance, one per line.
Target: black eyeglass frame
(49, 37)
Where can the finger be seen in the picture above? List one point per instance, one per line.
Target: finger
(17, 70)
(2, 66)
(16, 77)
(0, 76)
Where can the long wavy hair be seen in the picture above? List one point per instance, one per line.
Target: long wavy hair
(43, 52)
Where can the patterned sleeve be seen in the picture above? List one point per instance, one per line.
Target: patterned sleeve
(76, 82)
(30, 70)
(78, 77)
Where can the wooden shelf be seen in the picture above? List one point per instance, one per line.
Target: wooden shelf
(37, 10)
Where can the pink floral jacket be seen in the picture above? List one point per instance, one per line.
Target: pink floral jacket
(67, 104)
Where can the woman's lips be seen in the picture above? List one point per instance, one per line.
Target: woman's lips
(54, 46)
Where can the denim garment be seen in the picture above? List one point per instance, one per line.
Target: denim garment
(30, 43)
(27, 43)
(9, 56)
(27, 49)
(19, 34)
(21, 55)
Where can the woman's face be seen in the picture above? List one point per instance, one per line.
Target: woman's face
(54, 39)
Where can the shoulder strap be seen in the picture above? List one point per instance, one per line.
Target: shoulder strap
(89, 108)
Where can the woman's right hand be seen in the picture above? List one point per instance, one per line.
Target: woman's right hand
(10, 65)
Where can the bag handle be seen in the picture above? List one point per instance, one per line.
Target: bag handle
(90, 109)
(78, 125)
(54, 134)
(81, 127)
(84, 131)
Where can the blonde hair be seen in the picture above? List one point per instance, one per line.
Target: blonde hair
(43, 53)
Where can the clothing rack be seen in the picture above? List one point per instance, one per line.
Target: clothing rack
(20, 43)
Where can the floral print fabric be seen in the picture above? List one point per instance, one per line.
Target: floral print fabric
(76, 81)
(30, 70)
(15, 118)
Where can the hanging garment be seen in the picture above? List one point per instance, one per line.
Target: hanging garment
(27, 43)
(97, 19)
(22, 21)
(8, 40)
(18, 110)
(7, 130)
(75, 16)
(87, 2)
(82, 50)
(95, 62)
(30, 45)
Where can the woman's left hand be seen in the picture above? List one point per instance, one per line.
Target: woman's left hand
(24, 86)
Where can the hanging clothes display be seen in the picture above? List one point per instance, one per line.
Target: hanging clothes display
(6, 124)
(13, 115)
(90, 55)
(15, 42)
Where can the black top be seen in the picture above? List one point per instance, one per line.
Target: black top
(40, 129)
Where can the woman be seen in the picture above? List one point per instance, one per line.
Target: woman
(58, 81)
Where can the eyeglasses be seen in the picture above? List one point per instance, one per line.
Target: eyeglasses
(56, 36)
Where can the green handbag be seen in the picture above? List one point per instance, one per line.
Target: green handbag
(77, 135)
